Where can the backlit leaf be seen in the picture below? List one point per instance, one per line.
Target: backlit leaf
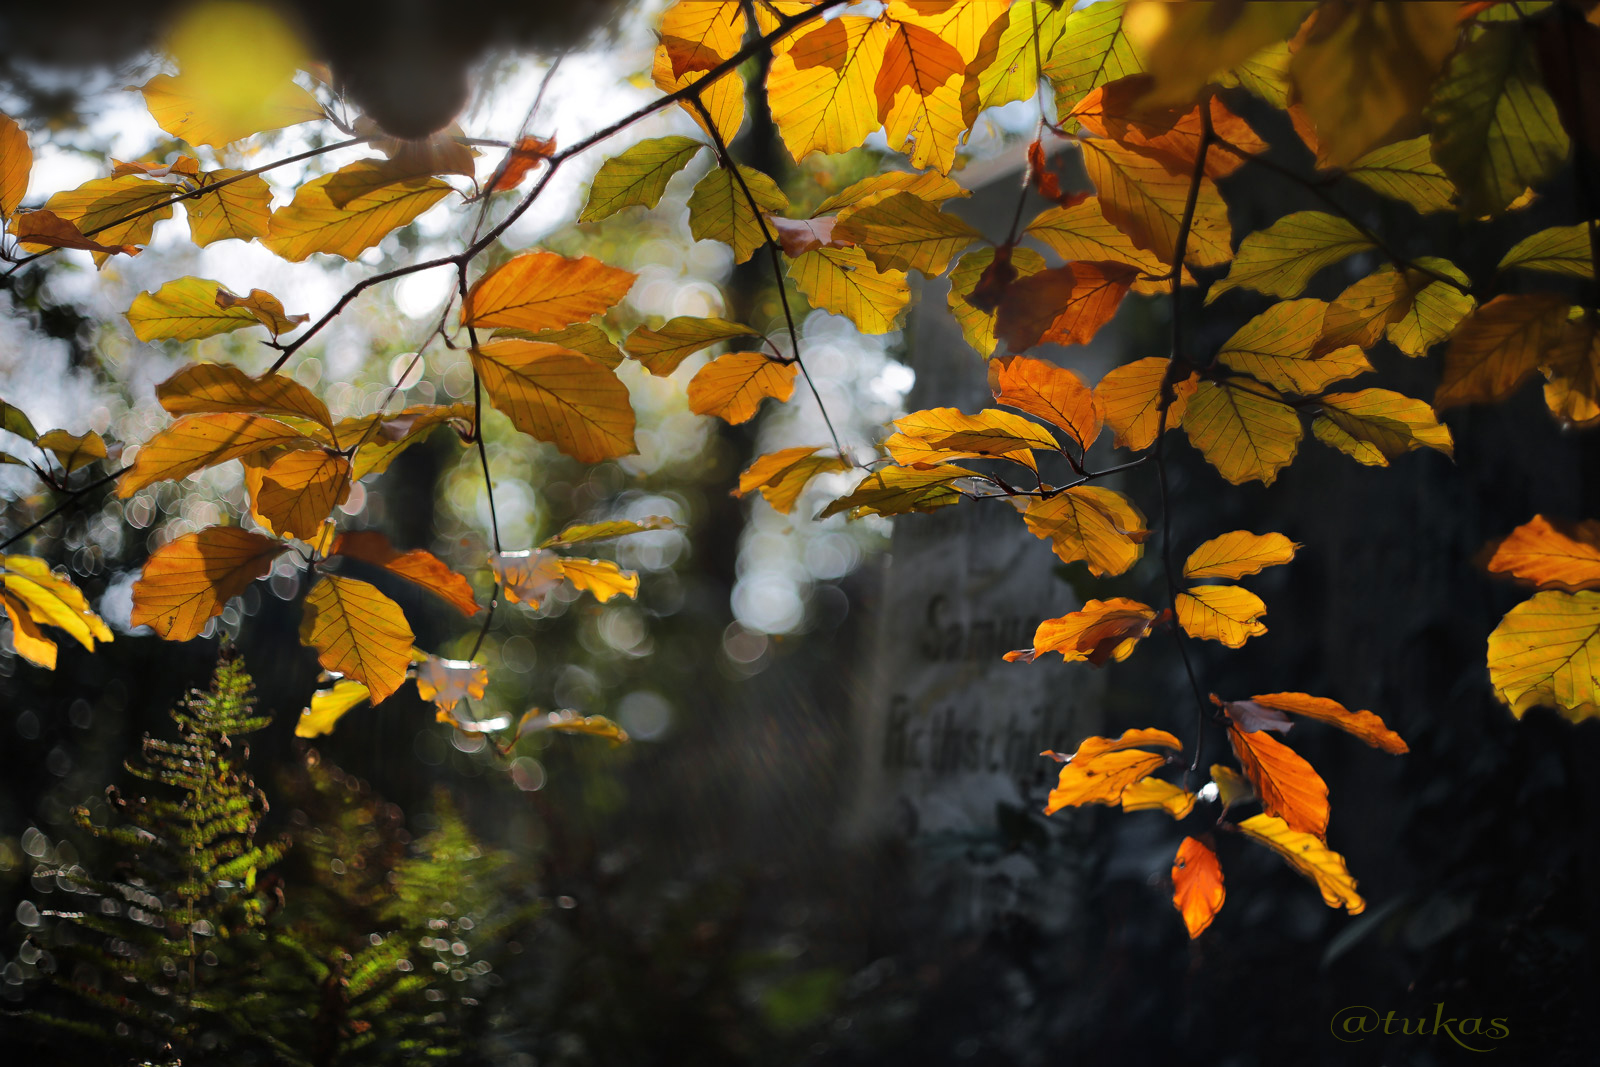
(732, 387)
(1232, 787)
(1186, 45)
(51, 600)
(383, 437)
(990, 432)
(16, 161)
(1170, 135)
(1048, 392)
(1247, 432)
(898, 490)
(918, 89)
(662, 348)
(191, 111)
(1091, 523)
(1197, 890)
(798, 236)
(196, 442)
(1146, 201)
(1237, 554)
(1362, 724)
(1310, 857)
(221, 387)
(781, 476)
(1006, 67)
(1558, 250)
(820, 86)
(38, 230)
(266, 309)
(977, 325)
(1499, 346)
(314, 222)
(417, 566)
(447, 682)
(185, 310)
(1288, 786)
(582, 337)
(71, 450)
(1375, 426)
(1064, 305)
(929, 185)
(1226, 613)
(719, 210)
(1276, 347)
(601, 577)
(240, 209)
(1573, 369)
(711, 30)
(1152, 794)
(1551, 556)
(905, 232)
(1546, 652)
(526, 154)
(1130, 397)
(1091, 51)
(1102, 769)
(358, 632)
(638, 176)
(1282, 259)
(190, 579)
(558, 396)
(26, 637)
(1101, 630)
(582, 532)
(1435, 311)
(570, 722)
(298, 491)
(1405, 171)
(328, 706)
(844, 281)
(100, 209)
(14, 420)
(544, 291)
(527, 576)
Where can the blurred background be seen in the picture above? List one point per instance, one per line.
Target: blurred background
(751, 880)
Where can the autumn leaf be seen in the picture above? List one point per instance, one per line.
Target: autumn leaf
(116, 212)
(316, 222)
(796, 237)
(1006, 67)
(1099, 526)
(1197, 890)
(1551, 556)
(1048, 392)
(918, 89)
(38, 230)
(1082, 232)
(1546, 652)
(1251, 717)
(382, 437)
(264, 307)
(1557, 250)
(201, 388)
(16, 161)
(732, 387)
(1153, 794)
(931, 186)
(720, 211)
(1232, 787)
(1282, 259)
(583, 532)
(48, 599)
(1499, 346)
(905, 232)
(185, 310)
(235, 205)
(1375, 426)
(1225, 613)
(584, 338)
(26, 638)
(71, 450)
(1148, 203)
(1237, 554)
(447, 682)
(526, 154)
(1405, 171)
(544, 291)
(196, 442)
(1130, 397)
(527, 576)
(1435, 312)
(1091, 51)
(190, 579)
(781, 476)
(571, 722)
(1103, 768)
(821, 85)
(707, 28)
(1287, 785)
(1064, 305)
(1310, 857)
(417, 566)
(192, 110)
(844, 281)
(898, 490)
(1572, 391)
(1366, 308)
(1247, 432)
(663, 347)
(977, 324)
(358, 632)
(1361, 724)
(637, 177)
(1277, 347)
(1172, 136)
(558, 396)
(14, 420)
(1102, 630)
(947, 433)
(601, 577)
(298, 490)
(1186, 45)
(328, 706)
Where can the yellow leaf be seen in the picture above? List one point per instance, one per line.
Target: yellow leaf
(637, 177)
(1363, 71)
(544, 291)
(662, 348)
(1232, 787)
(16, 161)
(1546, 652)
(1100, 630)
(990, 432)
(1197, 890)
(1048, 392)
(1365, 309)
(732, 387)
(1006, 67)
(905, 232)
(185, 310)
(1247, 433)
(196, 442)
(570, 722)
(328, 706)
(1288, 786)
(1282, 259)
(96, 207)
(1310, 857)
(315, 222)
(13, 419)
(1362, 724)
(1276, 347)
(1376, 425)
(358, 632)
(1083, 232)
(1558, 250)
(1130, 397)
(1146, 201)
(1150, 794)
(527, 576)
(188, 112)
(1088, 522)
(930, 186)
(1435, 312)
(820, 86)
(582, 532)
(844, 281)
(719, 210)
(221, 387)
(1225, 613)
(898, 490)
(190, 579)
(50, 599)
(1405, 171)
(583, 337)
(73, 451)
(919, 96)
(1185, 45)
(37, 231)
(1237, 554)
(781, 476)
(383, 437)
(601, 577)
(299, 489)
(417, 566)
(1499, 346)
(266, 308)
(1091, 51)
(240, 209)
(26, 637)
(447, 682)
(712, 30)
(977, 325)
(1496, 131)
(558, 396)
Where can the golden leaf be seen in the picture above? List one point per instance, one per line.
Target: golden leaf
(946, 433)
(190, 579)
(185, 310)
(558, 396)
(583, 532)
(328, 706)
(710, 31)
(1197, 890)
(266, 308)
(240, 209)
(298, 490)
(196, 442)
(26, 637)
(383, 437)
(1101, 630)
(1546, 652)
(1090, 523)
(601, 577)
(1361, 724)
(1310, 857)
(1064, 305)
(1277, 347)
(1152, 794)
(73, 451)
(1288, 786)
(844, 281)
(1147, 202)
(38, 230)
(50, 599)
(527, 576)
(1082, 231)
(1405, 171)
(905, 232)
(1551, 556)
(719, 210)
(100, 209)
(447, 682)
(662, 348)
(931, 186)
(732, 387)
(1376, 425)
(1247, 433)
(977, 325)
(1186, 45)
(1048, 392)
(1558, 250)
(897, 490)
(781, 476)
(1237, 554)
(544, 291)
(315, 222)
(418, 566)
(820, 86)
(1225, 613)
(16, 161)
(918, 89)
(1091, 51)
(1130, 397)
(1499, 346)
(358, 632)
(570, 722)
(1103, 768)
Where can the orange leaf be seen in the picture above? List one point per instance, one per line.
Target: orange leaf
(544, 291)
(1362, 724)
(190, 579)
(1101, 630)
(1130, 396)
(1238, 553)
(1064, 305)
(196, 442)
(662, 348)
(1147, 202)
(1091, 523)
(49, 230)
(1048, 392)
(1197, 890)
(1288, 786)
(1550, 556)
(16, 160)
(914, 58)
(1169, 135)
(1103, 768)
(358, 632)
(523, 157)
(202, 388)
(26, 636)
(558, 396)
(417, 566)
(298, 490)
(527, 576)
(733, 386)
(1225, 613)
(781, 476)
(1499, 346)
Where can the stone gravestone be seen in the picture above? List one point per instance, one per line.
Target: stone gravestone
(949, 734)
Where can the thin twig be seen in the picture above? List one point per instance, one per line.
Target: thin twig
(72, 499)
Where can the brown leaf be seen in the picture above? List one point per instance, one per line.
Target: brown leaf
(50, 230)
(1064, 305)
(417, 566)
(523, 157)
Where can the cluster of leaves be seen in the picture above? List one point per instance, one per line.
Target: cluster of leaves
(1438, 108)
(341, 943)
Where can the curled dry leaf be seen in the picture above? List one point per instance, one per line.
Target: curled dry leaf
(1101, 630)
